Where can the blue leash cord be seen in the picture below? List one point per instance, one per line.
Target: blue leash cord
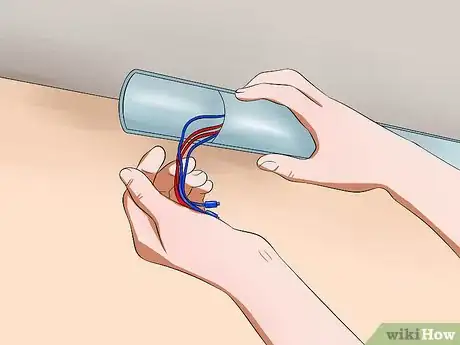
(195, 205)
(183, 170)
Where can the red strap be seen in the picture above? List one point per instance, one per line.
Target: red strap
(198, 134)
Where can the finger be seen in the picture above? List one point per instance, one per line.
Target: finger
(206, 188)
(143, 228)
(294, 169)
(144, 194)
(198, 194)
(164, 179)
(305, 110)
(292, 78)
(190, 167)
(196, 178)
(150, 164)
(287, 167)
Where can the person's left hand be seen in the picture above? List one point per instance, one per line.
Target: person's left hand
(172, 235)
(197, 184)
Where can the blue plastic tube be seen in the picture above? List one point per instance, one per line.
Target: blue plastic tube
(158, 106)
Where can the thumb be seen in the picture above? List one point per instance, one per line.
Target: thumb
(143, 193)
(290, 168)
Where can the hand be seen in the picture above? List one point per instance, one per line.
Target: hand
(243, 265)
(171, 235)
(353, 152)
(197, 184)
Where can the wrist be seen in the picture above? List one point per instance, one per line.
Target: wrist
(430, 189)
(235, 261)
(253, 265)
(413, 171)
(279, 305)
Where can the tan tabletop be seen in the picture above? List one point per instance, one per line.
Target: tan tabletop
(69, 274)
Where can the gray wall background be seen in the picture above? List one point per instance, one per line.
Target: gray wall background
(397, 61)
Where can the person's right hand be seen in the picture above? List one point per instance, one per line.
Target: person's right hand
(352, 152)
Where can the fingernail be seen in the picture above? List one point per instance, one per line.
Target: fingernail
(241, 90)
(268, 165)
(126, 176)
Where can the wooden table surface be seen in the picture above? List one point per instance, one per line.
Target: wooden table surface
(69, 274)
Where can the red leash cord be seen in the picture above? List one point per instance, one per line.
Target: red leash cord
(198, 134)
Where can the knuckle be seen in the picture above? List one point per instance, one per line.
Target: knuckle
(292, 74)
(259, 75)
(290, 71)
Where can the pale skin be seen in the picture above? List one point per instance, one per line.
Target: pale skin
(281, 308)
(353, 154)
(356, 154)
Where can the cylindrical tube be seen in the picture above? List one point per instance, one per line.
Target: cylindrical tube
(157, 105)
